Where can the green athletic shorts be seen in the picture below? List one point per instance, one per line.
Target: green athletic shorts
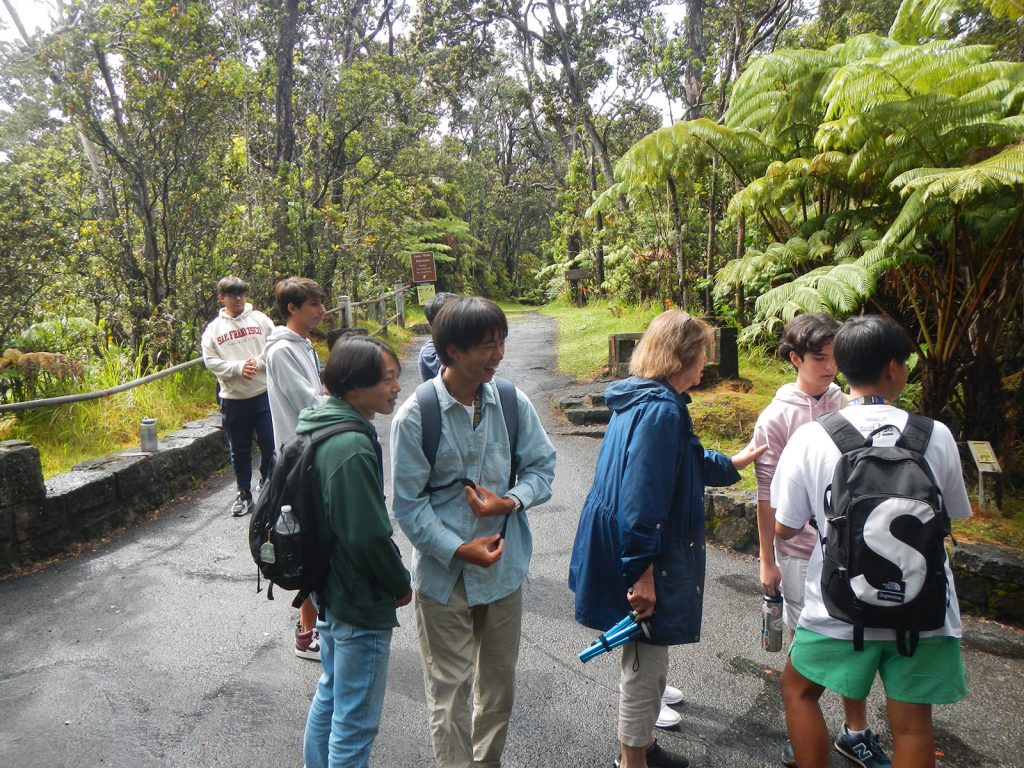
(933, 675)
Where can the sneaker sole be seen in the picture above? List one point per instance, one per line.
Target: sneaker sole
(311, 655)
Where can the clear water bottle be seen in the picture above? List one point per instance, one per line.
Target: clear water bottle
(771, 626)
(147, 436)
(287, 523)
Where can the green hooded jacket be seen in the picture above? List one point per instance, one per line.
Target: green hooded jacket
(366, 574)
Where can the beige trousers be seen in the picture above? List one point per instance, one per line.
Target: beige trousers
(641, 683)
(464, 647)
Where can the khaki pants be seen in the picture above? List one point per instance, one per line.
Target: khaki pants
(641, 683)
(465, 646)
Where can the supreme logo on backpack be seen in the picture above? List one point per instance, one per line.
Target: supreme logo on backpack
(287, 540)
(884, 554)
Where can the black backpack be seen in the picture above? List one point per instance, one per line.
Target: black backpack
(884, 552)
(287, 538)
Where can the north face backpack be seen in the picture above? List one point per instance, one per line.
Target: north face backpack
(286, 537)
(884, 554)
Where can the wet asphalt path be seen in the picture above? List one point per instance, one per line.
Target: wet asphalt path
(153, 649)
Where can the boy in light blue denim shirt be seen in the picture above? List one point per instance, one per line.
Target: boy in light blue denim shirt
(467, 575)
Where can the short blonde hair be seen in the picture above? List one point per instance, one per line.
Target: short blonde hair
(671, 343)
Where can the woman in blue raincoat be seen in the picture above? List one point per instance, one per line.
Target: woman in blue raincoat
(640, 541)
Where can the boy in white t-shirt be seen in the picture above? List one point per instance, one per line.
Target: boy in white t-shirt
(806, 344)
(871, 351)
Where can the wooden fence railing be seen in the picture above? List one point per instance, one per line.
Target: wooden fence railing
(375, 310)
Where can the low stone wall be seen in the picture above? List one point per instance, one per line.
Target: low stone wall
(39, 520)
(989, 579)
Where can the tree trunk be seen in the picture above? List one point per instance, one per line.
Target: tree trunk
(598, 229)
(709, 252)
(693, 85)
(287, 15)
(680, 253)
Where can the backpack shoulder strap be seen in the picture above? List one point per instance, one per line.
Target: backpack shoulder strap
(430, 419)
(917, 434)
(846, 436)
(510, 411)
(320, 435)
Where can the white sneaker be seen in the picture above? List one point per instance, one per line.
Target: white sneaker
(672, 696)
(668, 718)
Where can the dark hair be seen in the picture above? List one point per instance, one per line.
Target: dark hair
(433, 306)
(231, 285)
(865, 344)
(465, 322)
(297, 291)
(807, 333)
(356, 362)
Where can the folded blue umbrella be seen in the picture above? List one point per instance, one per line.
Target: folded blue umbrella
(618, 635)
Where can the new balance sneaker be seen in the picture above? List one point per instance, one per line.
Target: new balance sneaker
(307, 644)
(671, 696)
(788, 756)
(659, 758)
(864, 749)
(242, 504)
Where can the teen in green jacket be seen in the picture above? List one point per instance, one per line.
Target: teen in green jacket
(366, 581)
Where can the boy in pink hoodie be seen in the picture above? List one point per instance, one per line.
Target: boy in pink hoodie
(807, 344)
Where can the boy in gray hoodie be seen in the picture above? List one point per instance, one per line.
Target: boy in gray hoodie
(293, 383)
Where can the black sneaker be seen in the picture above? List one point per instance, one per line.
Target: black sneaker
(864, 750)
(242, 504)
(659, 758)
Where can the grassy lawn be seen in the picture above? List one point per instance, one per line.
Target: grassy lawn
(583, 332)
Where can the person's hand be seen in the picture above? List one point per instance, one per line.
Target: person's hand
(747, 455)
(250, 368)
(485, 551)
(771, 578)
(486, 503)
(641, 595)
(404, 599)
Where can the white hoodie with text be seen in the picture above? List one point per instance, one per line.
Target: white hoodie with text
(228, 342)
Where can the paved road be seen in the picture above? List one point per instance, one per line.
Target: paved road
(154, 650)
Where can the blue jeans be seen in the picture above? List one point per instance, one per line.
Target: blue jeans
(345, 714)
(239, 418)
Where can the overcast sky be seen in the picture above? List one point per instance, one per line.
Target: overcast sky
(34, 14)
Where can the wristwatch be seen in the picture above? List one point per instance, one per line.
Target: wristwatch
(515, 500)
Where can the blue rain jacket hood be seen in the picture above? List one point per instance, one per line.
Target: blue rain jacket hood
(646, 505)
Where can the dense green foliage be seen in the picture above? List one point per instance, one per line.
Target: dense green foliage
(857, 155)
